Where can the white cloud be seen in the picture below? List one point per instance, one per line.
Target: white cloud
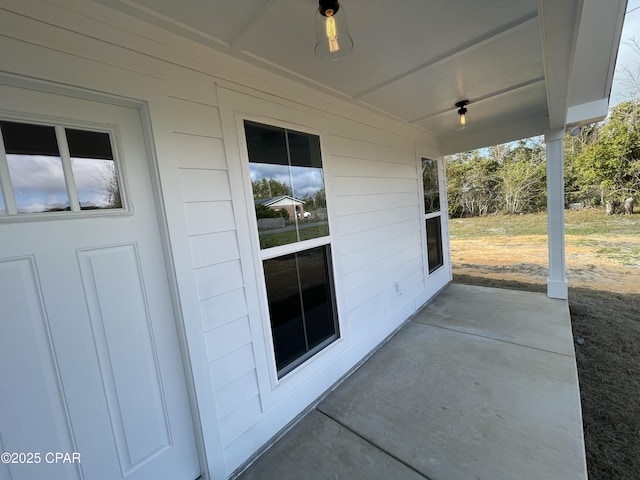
(36, 173)
(306, 180)
(39, 184)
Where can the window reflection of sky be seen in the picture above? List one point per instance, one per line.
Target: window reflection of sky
(38, 183)
(96, 182)
(306, 180)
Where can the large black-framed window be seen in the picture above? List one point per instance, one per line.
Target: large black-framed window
(287, 181)
(433, 213)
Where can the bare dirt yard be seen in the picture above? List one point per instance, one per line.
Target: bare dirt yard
(603, 269)
(602, 251)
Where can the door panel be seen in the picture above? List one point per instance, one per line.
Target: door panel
(33, 411)
(120, 321)
(87, 318)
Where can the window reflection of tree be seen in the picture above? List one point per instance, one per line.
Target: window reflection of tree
(269, 188)
(103, 189)
(430, 185)
(114, 199)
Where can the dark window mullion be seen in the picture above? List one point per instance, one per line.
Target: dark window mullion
(293, 191)
(302, 310)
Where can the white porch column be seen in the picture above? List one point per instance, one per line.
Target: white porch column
(557, 282)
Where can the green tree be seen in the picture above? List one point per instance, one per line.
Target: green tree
(430, 185)
(455, 169)
(269, 188)
(602, 163)
(576, 188)
(523, 175)
(320, 199)
(315, 201)
(473, 185)
(110, 179)
(610, 162)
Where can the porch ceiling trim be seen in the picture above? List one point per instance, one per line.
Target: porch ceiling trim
(515, 59)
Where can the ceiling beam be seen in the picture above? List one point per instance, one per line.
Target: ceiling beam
(559, 22)
(131, 7)
(596, 50)
(502, 132)
(491, 96)
(271, 9)
(460, 50)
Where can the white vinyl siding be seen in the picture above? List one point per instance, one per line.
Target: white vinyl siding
(197, 137)
(378, 214)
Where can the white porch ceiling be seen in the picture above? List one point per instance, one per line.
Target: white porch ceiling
(523, 64)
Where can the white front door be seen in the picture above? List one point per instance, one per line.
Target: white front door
(90, 364)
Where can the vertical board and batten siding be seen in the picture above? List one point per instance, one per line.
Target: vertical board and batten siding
(211, 228)
(373, 190)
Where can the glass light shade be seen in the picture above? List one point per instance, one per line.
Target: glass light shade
(462, 119)
(332, 33)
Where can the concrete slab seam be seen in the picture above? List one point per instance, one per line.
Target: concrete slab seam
(369, 442)
(492, 338)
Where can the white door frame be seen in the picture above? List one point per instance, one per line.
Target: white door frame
(172, 280)
(440, 278)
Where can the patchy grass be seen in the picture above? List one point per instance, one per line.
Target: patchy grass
(585, 242)
(289, 234)
(499, 225)
(590, 233)
(596, 222)
(579, 222)
(627, 254)
(604, 300)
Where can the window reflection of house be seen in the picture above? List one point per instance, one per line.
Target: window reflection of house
(299, 277)
(293, 206)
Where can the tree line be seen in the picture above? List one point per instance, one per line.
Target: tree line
(602, 163)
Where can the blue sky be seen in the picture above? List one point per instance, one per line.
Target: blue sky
(626, 55)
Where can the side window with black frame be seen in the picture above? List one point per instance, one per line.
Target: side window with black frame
(433, 214)
(287, 180)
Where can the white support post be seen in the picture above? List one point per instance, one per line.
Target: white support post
(557, 286)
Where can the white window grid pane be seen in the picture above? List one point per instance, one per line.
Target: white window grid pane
(8, 207)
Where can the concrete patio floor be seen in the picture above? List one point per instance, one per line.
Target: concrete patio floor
(481, 384)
